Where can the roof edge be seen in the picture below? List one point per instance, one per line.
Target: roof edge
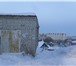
(18, 14)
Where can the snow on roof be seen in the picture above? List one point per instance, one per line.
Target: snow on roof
(19, 14)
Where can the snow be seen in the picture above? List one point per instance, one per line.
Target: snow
(24, 14)
(73, 41)
(61, 56)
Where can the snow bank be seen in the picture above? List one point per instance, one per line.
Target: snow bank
(60, 56)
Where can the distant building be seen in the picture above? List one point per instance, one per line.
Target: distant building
(18, 32)
(57, 36)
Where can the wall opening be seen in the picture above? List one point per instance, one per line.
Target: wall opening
(10, 40)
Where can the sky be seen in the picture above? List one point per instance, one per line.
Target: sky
(52, 16)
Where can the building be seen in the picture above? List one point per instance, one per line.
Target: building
(18, 32)
(57, 36)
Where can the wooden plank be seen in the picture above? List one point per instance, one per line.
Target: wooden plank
(13, 41)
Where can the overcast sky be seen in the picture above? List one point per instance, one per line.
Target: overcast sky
(52, 16)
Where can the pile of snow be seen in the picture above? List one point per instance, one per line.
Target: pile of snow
(73, 41)
(60, 56)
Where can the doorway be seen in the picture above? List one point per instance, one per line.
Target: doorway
(10, 40)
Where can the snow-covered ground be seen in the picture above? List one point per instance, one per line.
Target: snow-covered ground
(61, 56)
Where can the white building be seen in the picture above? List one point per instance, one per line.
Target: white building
(57, 36)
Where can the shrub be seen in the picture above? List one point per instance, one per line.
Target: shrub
(48, 39)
